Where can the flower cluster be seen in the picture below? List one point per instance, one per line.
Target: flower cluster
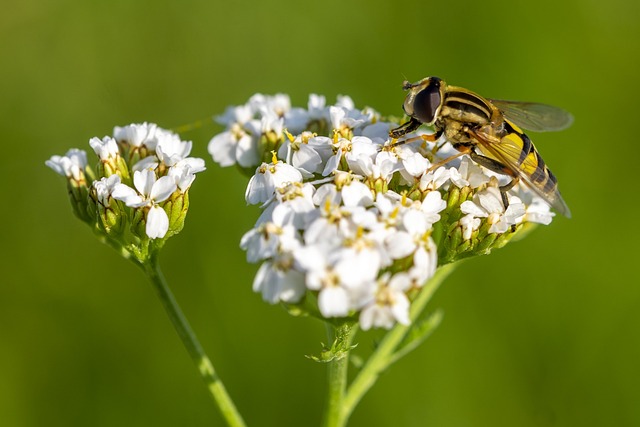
(138, 193)
(353, 223)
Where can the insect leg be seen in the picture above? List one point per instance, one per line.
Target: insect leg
(496, 166)
(432, 137)
(447, 160)
(405, 128)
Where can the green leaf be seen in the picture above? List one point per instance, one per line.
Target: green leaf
(418, 333)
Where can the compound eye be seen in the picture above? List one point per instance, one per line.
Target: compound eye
(426, 103)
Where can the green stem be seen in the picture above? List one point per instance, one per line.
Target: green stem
(341, 337)
(190, 341)
(382, 357)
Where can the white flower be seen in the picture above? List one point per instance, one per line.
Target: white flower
(381, 167)
(277, 281)
(537, 210)
(237, 145)
(235, 115)
(389, 304)
(306, 153)
(137, 135)
(105, 187)
(278, 103)
(105, 148)
(377, 132)
(340, 275)
(269, 239)
(468, 174)
(316, 106)
(171, 150)
(425, 263)
(352, 150)
(469, 223)
(184, 172)
(488, 204)
(344, 118)
(432, 205)
(356, 194)
(345, 102)
(271, 122)
(295, 201)
(149, 162)
(150, 192)
(327, 194)
(433, 180)
(71, 165)
(415, 165)
(416, 229)
(268, 177)
(323, 276)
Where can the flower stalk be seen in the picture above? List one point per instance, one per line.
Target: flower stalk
(337, 369)
(194, 348)
(384, 355)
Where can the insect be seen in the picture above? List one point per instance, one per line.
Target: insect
(488, 130)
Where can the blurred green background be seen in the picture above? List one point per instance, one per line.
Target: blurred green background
(544, 332)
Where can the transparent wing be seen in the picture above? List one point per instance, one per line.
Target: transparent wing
(528, 166)
(533, 116)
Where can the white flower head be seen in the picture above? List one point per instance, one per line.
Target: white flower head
(339, 222)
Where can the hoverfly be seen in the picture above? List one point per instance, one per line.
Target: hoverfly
(469, 122)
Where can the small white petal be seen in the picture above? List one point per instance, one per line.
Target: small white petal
(491, 200)
(149, 162)
(333, 302)
(356, 194)
(222, 148)
(291, 287)
(260, 188)
(163, 188)
(400, 308)
(157, 222)
(247, 151)
(400, 245)
(471, 208)
(143, 181)
(128, 195)
(416, 164)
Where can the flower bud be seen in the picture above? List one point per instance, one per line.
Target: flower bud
(176, 208)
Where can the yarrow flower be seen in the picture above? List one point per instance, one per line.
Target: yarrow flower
(353, 224)
(139, 190)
